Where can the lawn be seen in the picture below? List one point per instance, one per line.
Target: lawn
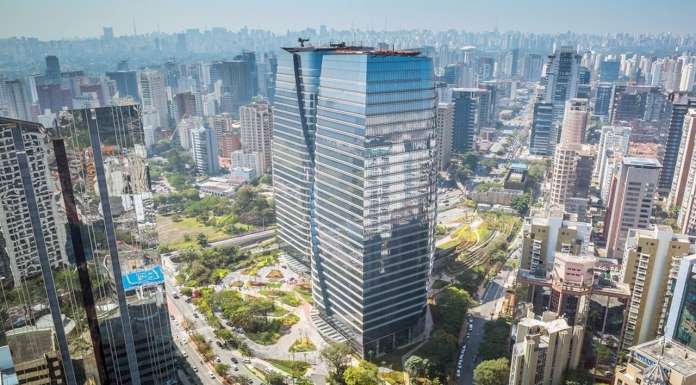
(172, 233)
(294, 368)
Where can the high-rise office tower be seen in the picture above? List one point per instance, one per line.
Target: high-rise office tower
(568, 152)
(444, 129)
(630, 201)
(465, 102)
(100, 171)
(485, 68)
(681, 322)
(609, 70)
(126, 83)
(154, 95)
(204, 148)
(686, 83)
(542, 237)
(602, 99)
(533, 64)
(543, 137)
(678, 104)
(360, 123)
(256, 126)
(584, 87)
(645, 268)
(613, 146)
(544, 349)
(487, 94)
(52, 69)
(561, 79)
(16, 99)
(185, 105)
(684, 161)
(631, 102)
(239, 81)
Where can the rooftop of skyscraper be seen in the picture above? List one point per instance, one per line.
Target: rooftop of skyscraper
(345, 49)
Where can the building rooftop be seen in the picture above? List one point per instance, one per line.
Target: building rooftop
(343, 48)
(642, 162)
(670, 354)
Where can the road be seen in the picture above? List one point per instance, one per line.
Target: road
(181, 310)
(490, 303)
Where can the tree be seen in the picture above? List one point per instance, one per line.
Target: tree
(222, 369)
(577, 377)
(337, 356)
(521, 203)
(202, 239)
(492, 372)
(241, 380)
(273, 378)
(365, 373)
(452, 305)
(496, 335)
(414, 366)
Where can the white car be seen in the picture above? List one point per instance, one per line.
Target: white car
(184, 354)
(210, 373)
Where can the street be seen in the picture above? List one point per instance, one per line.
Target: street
(491, 301)
(181, 310)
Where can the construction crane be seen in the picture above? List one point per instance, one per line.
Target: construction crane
(302, 41)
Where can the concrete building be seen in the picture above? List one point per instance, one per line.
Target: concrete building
(630, 201)
(613, 145)
(250, 160)
(681, 320)
(204, 149)
(684, 162)
(544, 349)
(645, 268)
(543, 237)
(154, 95)
(256, 126)
(444, 128)
(15, 219)
(575, 120)
(658, 362)
(16, 99)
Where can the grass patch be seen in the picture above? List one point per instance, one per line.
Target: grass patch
(302, 345)
(294, 368)
(172, 234)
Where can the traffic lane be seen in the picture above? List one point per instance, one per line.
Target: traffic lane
(472, 346)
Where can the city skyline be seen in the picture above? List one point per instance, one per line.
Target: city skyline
(127, 17)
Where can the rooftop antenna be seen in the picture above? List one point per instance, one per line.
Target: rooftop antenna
(302, 41)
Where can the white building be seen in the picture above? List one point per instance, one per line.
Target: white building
(444, 129)
(15, 221)
(613, 145)
(256, 123)
(252, 160)
(154, 95)
(204, 150)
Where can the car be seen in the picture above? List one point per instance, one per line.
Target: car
(195, 315)
(236, 368)
(176, 296)
(195, 369)
(184, 354)
(235, 360)
(218, 360)
(219, 344)
(210, 373)
(247, 361)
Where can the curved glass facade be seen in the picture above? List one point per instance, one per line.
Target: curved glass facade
(367, 217)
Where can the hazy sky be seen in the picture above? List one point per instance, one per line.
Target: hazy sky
(53, 19)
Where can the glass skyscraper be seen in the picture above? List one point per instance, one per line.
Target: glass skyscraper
(681, 322)
(354, 173)
(105, 304)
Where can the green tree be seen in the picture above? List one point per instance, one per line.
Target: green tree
(337, 356)
(494, 343)
(365, 373)
(492, 372)
(414, 366)
(273, 378)
(521, 203)
(202, 239)
(222, 369)
(452, 305)
(577, 377)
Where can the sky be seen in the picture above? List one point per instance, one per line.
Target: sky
(56, 19)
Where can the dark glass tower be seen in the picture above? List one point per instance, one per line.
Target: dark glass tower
(354, 175)
(92, 226)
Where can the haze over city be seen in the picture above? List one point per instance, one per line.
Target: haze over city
(348, 193)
